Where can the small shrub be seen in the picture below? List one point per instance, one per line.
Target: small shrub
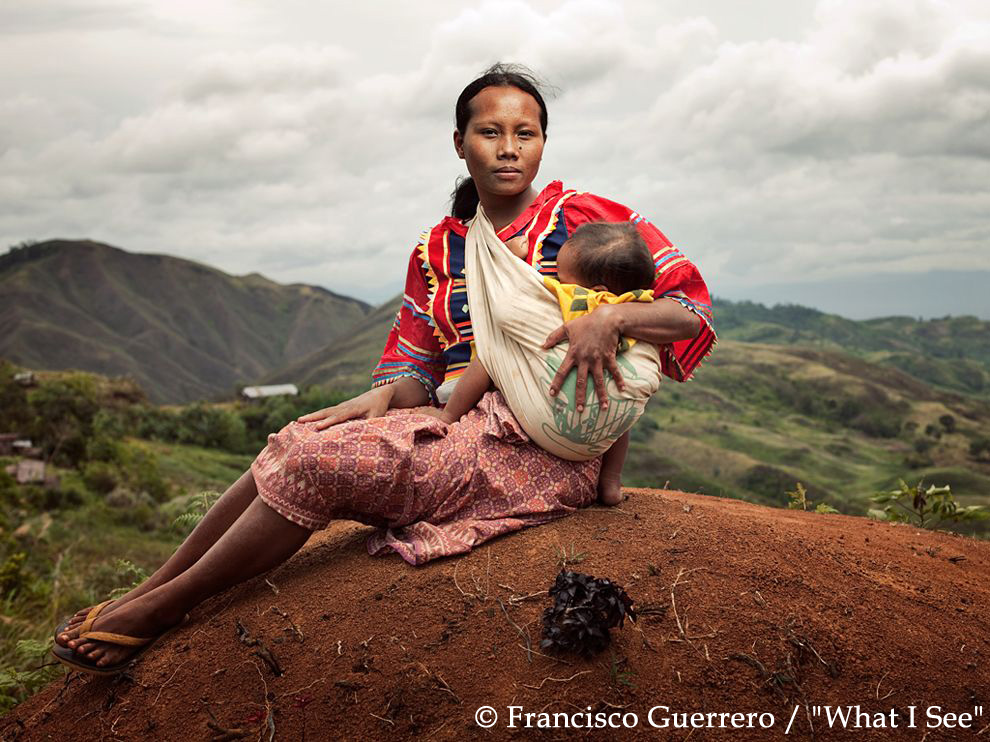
(17, 685)
(9, 493)
(212, 427)
(12, 574)
(73, 489)
(129, 572)
(766, 480)
(64, 409)
(50, 498)
(644, 429)
(196, 510)
(798, 500)
(980, 449)
(105, 442)
(100, 477)
(141, 514)
(877, 425)
(15, 413)
(156, 424)
(143, 472)
(839, 449)
(916, 460)
(927, 508)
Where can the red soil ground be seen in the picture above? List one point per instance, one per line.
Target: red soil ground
(743, 609)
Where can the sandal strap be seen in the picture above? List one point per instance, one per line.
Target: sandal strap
(95, 611)
(121, 639)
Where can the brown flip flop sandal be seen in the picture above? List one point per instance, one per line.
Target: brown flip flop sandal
(65, 624)
(70, 659)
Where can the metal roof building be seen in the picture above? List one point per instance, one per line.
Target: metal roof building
(275, 390)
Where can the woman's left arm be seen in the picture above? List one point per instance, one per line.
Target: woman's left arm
(594, 338)
(678, 322)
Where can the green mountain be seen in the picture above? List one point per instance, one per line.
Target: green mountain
(951, 353)
(182, 330)
(347, 364)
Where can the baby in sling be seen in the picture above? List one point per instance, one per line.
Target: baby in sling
(513, 309)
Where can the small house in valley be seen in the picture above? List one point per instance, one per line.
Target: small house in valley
(274, 390)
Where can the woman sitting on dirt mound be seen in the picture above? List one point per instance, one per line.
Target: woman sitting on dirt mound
(433, 489)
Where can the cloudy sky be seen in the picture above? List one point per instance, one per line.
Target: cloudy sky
(832, 153)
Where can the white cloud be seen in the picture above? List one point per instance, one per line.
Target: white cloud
(317, 153)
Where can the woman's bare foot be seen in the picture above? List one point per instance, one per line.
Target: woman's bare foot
(140, 617)
(609, 490)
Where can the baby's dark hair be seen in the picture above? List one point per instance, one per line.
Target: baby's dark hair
(613, 254)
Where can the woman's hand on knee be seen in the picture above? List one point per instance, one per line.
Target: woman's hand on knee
(373, 403)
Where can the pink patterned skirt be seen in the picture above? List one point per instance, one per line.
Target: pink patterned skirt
(432, 489)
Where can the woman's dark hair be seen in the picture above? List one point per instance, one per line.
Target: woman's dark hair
(465, 196)
(613, 254)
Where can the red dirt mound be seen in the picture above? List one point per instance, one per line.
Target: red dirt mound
(742, 609)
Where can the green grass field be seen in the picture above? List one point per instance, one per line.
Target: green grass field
(758, 419)
(76, 556)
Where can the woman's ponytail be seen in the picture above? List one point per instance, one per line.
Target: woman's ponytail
(464, 199)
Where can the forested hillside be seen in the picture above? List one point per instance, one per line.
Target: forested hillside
(182, 330)
(951, 352)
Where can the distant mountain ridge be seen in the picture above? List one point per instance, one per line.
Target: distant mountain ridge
(952, 353)
(183, 330)
(349, 362)
(187, 331)
(791, 394)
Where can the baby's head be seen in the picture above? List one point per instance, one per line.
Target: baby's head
(606, 256)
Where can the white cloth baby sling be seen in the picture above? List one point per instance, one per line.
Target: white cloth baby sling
(512, 313)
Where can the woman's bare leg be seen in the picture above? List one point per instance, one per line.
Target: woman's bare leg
(215, 523)
(258, 541)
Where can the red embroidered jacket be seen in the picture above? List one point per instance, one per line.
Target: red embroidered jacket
(431, 338)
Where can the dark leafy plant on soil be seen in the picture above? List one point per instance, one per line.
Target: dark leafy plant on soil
(584, 609)
(927, 508)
